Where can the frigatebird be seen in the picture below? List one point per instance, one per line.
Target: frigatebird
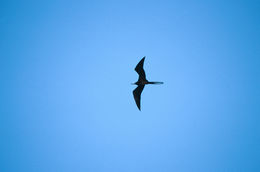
(142, 81)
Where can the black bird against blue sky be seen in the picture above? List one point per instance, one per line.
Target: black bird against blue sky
(66, 66)
(142, 81)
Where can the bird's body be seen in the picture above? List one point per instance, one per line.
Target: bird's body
(142, 81)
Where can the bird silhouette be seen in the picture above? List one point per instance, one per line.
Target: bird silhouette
(142, 81)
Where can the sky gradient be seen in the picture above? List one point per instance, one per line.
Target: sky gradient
(66, 100)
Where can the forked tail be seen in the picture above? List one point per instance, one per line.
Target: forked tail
(155, 82)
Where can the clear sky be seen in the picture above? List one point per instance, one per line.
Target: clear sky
(66, 102)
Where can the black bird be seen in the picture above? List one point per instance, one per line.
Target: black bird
(142, 81)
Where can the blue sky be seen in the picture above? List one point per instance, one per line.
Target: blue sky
(66, 101)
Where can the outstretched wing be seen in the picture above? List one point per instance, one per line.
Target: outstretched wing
(140, 70)
(137, 95)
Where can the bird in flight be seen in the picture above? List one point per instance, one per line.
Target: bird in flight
(142, 81)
